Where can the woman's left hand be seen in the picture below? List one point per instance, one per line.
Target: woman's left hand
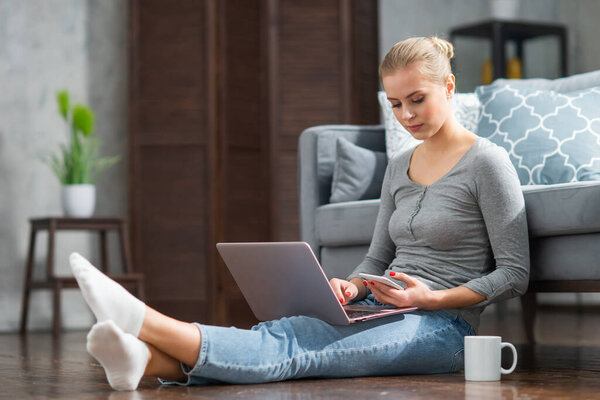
(416, 294)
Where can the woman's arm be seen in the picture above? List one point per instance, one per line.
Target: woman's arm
(417, 294)
(502, 206)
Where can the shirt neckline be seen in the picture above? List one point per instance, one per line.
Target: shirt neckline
(463, 157)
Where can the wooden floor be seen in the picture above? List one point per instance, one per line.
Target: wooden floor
(564, 365)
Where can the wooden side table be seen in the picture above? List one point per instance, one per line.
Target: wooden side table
(128, 279)
(500, 32)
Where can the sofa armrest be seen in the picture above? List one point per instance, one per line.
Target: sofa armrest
(316, 159)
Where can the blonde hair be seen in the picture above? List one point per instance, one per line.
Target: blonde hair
(432, 53)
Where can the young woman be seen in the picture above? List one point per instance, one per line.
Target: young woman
(451, 225)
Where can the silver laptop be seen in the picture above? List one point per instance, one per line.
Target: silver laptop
(283, 279)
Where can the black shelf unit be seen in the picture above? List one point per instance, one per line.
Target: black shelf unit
(502, 31)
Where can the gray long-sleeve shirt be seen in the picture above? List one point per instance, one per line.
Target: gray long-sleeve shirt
(468, 228)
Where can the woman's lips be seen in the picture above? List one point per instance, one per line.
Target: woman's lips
(415, 128)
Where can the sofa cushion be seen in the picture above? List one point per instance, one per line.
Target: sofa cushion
(357, 174)
(551, 137)
(562, 209)
(346, 224)
(397, 139)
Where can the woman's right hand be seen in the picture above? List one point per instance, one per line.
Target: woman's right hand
(344, 290)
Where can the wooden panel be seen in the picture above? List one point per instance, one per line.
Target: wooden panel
(244, 153)
(287, 192)
(173, 231)
(246, 197)
(308, 93)
(241, 74)
(172, 119)
(366, 61)
(220, 92)
(172, 66)
(309, 74)
(243, 149)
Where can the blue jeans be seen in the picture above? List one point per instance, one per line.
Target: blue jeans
(419, 342)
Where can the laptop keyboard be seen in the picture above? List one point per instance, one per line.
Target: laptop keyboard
(358, 314)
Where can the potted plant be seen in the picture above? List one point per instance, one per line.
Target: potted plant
(77, 165)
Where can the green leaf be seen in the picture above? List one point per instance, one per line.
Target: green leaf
(78, 161)
(62, 98)
(83, 119)
(103, 163)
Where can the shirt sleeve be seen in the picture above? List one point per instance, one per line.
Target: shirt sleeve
(382, 249)
(502, 205)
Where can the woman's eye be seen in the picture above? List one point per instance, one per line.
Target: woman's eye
(396, 105)
(419, 100)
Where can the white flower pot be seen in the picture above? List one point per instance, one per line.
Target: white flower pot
(79, 200)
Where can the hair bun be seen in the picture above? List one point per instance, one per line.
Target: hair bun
(443, 46)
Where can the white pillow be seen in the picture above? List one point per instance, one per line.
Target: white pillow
(466, 108)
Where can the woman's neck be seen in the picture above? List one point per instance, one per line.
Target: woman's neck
(450, 135)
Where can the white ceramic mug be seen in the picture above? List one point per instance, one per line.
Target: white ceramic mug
(482, 358)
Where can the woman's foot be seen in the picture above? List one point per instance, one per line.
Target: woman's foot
(107, 299)
(123, 356)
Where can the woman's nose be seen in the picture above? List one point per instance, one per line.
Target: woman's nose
(407, 114)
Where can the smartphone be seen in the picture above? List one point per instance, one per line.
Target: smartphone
(384, 279)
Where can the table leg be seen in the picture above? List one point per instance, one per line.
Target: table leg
(50, 260)
(125, 248)
(103, 252)
(28, 278)
(57, 289)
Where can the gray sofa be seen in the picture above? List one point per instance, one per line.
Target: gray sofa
(563, 220)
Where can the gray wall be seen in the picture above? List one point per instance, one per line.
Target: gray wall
(400, 19)
(45, 46)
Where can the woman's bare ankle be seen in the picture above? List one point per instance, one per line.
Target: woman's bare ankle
(180, 340)
(161, 365)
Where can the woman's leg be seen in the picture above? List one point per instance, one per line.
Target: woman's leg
(420, 342)
(111, 302)
(162, 365)
(180, 340)
(299, 347)
(126, 359)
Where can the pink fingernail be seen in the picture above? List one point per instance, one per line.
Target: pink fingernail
(348, 294)
(392, 274)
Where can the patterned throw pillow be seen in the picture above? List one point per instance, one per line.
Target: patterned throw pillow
(550, 137)
(397, 139)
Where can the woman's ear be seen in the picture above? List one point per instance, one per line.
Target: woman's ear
(450, 86)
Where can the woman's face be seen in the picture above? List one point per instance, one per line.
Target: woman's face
(420, 105)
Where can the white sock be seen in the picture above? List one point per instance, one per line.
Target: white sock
(107, 299)
(123, 356)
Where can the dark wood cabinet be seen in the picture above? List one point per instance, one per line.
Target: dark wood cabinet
(219, 94)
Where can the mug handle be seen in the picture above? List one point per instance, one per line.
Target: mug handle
(514, 364)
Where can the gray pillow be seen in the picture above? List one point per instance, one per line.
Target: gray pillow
(358, 172)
